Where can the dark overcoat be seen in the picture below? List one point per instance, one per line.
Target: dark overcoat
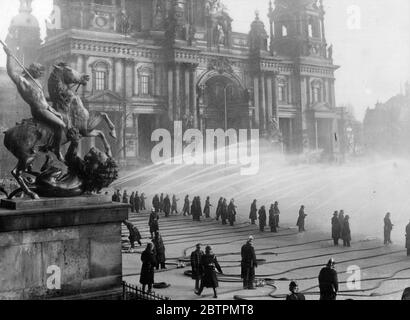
(248, 262)
(147, 269)
(209, 264)
(335, 228)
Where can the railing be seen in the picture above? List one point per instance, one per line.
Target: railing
(131, 292)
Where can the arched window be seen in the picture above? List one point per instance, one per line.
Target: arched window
(310, 30)
(284, 30)
(145, 81)
(317, 91)
(100, 71)
(282, 91)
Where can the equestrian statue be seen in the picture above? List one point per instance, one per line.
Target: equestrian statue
(65, 121)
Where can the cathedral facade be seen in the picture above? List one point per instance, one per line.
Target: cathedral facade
(153, 62)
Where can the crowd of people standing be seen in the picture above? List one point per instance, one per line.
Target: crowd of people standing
(205, 265)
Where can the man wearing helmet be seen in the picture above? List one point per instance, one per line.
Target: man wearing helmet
(328, 282)
(294, 292)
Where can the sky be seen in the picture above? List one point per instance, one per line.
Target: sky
(371, 41)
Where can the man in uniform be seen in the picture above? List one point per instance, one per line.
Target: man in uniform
(294, 294)
(196, 266)
(248, 264)
(328, 282)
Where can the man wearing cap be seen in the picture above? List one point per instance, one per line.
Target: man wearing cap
(294, 294)
(196, 266)
(32, 93)
(248, 264)
(328, 282)
(336, 228)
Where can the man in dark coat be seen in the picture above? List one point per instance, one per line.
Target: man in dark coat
(207, 208)
(125, 199)
(248, 264)
(232, 212)
(408, 239)
(346, 232)
(148, 267)
(196, 266)
(294, 294)
(167, 205)
(161, 203)
(114, 197)
(137, 203)
(224, 211)
(194, 209)
(185, 210)
(328, 282)
(301, 219)
(155, 203)
(335, 229)
(388, 227)
(159, 249)
(219, 209)
(132, 202)
(253, 212)
(174, 207)
(272, 219)
(198, 207)
(341, 222)
(153, 222)
(142, 202)
(119, 196)
(135, 235)
(262, 218)
(209, 264)
(276, 213)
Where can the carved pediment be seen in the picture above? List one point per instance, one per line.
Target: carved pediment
(321, 107)
(105, 96)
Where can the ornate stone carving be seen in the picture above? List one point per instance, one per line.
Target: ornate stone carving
(222, 65)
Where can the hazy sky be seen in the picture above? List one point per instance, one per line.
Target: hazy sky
(374, 59)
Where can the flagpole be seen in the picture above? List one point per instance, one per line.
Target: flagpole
(21, 65)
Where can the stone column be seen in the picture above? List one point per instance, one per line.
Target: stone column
(275, 98)
(171, 92)
(137, 137)
(187, 90)
(263, 102)
(316, 135)
(256, 99)
(178, 99)
(195, 98)
(269, 97)
(80, 68)
(291, 138)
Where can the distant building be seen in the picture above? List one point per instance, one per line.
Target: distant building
(153, 62)
(386, 127)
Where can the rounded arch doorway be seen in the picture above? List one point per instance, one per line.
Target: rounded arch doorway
(225, 104)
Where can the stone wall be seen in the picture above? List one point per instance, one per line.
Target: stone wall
(83, 243)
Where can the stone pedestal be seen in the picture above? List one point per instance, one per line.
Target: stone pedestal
(60, 247)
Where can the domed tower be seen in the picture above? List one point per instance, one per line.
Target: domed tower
(297, 28)
(24, 34)
(258, 42)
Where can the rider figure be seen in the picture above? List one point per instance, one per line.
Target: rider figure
(33, 95)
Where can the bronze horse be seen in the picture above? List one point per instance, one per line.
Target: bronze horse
(30, 137)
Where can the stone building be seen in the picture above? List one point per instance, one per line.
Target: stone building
(386, 127)
(153, 62)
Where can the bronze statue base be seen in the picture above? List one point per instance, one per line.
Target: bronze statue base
(28, 204)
